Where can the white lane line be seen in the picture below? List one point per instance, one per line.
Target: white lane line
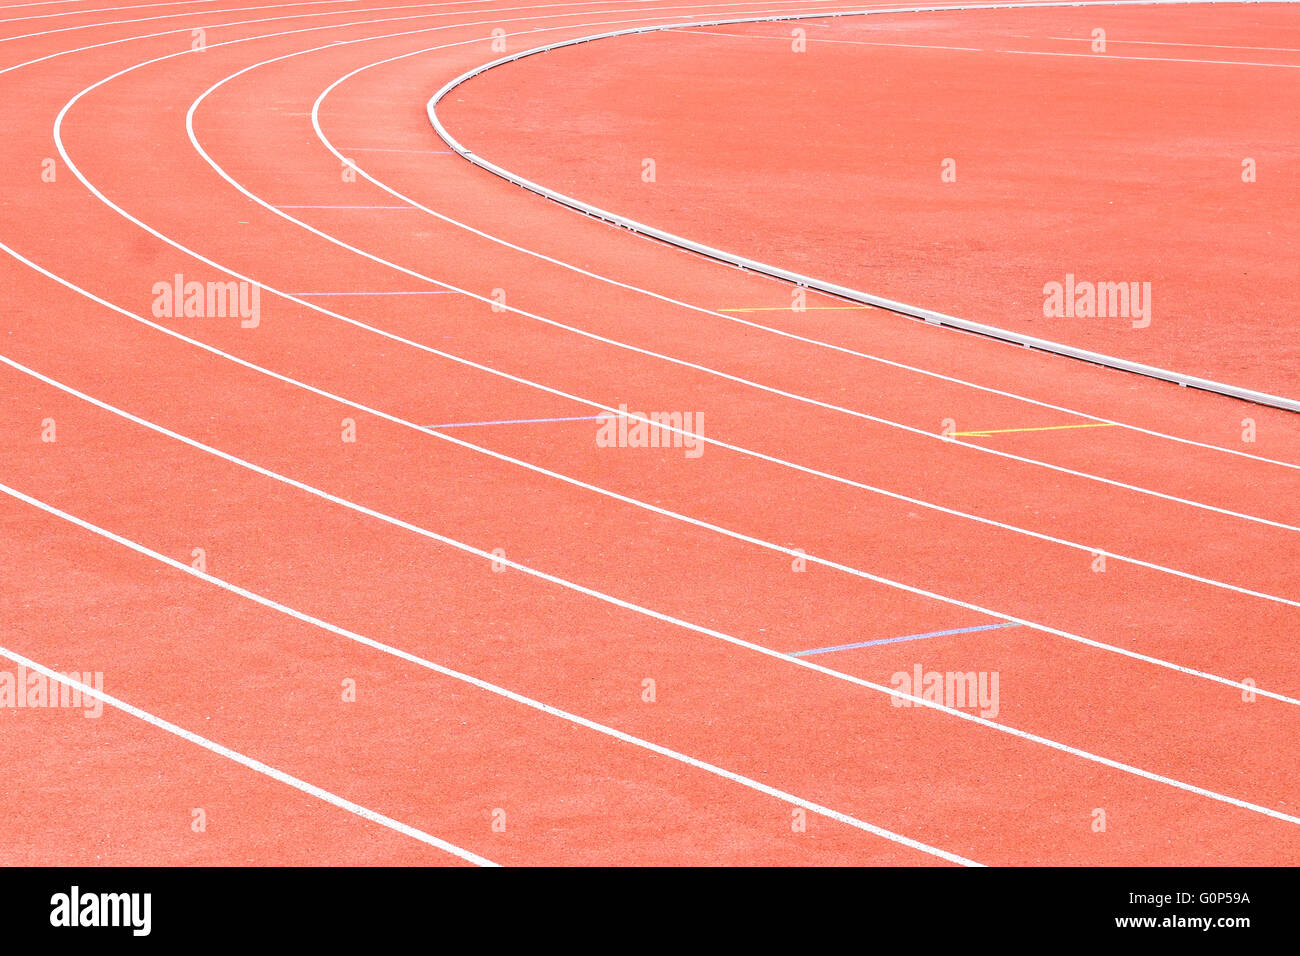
(325, 140)
(636, 741)
(819, 40)
(1152, 59)
(73, 13)
(493, 371)
(70, 285)
(188, 13)
(740, 262)
(491, 688)
(1110, 648)
(1207, 46)
(966, 49)
(634, 607)
(886, 581)
(181, 13)
(189, 119)
(251, 763)
(199, 148)
(753, 324)
(1044, 628)
(593, 404)
(299, 16)
(645, 505)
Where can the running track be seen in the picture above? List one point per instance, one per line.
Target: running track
(499, 594)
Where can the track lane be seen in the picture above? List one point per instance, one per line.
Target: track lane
(451, 753)
(360, 124)
(390, 549)
(103, 792)
(289, 348)
(1054, 197)
(525, 218)
(782, 760)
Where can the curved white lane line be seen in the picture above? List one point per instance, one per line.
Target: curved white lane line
(378, 817)
(937, 375)
(478, 682)
(660, 616)
(686, 305)
(328, 26)
(189, 121)
(820, 285)
(757, 648)
(739, 536)
(251, 763)
(248, 9)
(614, 342)
(758, 455)
(328, 143)
(73, 13)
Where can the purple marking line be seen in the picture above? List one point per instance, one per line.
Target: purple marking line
(385, 149)
(429, 292)
(518, 421)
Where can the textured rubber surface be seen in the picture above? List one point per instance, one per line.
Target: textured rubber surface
(454, 629)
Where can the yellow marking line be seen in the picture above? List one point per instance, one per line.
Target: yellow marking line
(1043, 428)
(811, 308)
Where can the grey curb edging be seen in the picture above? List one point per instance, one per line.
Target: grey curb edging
(852, 295)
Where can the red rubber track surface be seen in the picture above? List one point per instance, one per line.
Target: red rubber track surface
(499, 595)
(1117, 166)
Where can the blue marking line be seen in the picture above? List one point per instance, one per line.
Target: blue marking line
(518, 421)
(897, 640)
